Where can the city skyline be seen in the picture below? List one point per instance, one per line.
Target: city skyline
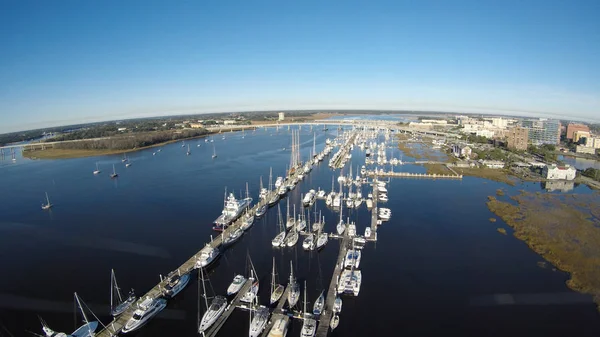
(77, 62)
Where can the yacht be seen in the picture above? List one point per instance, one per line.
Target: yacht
(321, 194)
(351, 229)
(176, 283)
(280, 328)
(248, 221)
(385, 214)
(232, 210)
(259, 321)
(292, 238)
(352, 259)
(337, 305)
(208, 255)
(367, 232)
(319, 304)
(274, 199)
(147, 309)
(369, 203)
(278, 182)
(322, 240)
(294, 294)
(350, 282)
(282, 190)
(261, 211)
(251, 294)
(237, 284)
(217, 306)
(360, 240)
(335, 321)
(309, 242)
(309, 198)
(232, 236)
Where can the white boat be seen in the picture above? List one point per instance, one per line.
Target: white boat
(188, 150)
(337, 305)
(292, 238)
(309, 198)
(214, 311)
(117, 304)
(176, 283)
(294, 293)
(301, 224)
(259, 321)
(232, 210)
(127, 164)
(248, 220)
(309, 242)
(97, 171)
(369, 203)
(360, 240)
(385, 214)
(280, 328)
(340, 227)
(337, 200)
(321, 194)
(208, 255)
(47, 205)
(249, 296)
(231, 237)
(145, 310)
(335, 321)
(236, 285)
(349, 282)
(290, 222)
(322, 239)
(279, 182)
(279, 239)
(319, 304)
(263, 192)
(382, 197)
(114, 174)
(382, 189)
(261, 211)
(276, 289)
(309, 324)
(214, 150)
(86, 330)
(351, 229)
(352, 259)
(367, 232)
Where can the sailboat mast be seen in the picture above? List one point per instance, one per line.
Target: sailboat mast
(47, 199)
(82, 311)
(304, 315)
(247, 194)
(273, 277)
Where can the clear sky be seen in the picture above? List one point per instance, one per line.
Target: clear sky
(65, 62)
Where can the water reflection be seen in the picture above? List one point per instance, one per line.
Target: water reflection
(558, 185)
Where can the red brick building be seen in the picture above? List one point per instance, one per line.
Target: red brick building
(572, 128)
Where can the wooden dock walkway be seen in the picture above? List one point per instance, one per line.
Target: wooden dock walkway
(327, 312)
(229, 310)
(382, 173)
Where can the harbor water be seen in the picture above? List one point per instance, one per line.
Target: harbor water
(439, 265)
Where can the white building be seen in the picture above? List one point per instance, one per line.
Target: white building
(461, 151)
(435, 121)
(500, 122)
(555, 172)
(281, 116)
(229, 122)
(495, 164)
(585, 149)
(485, 133)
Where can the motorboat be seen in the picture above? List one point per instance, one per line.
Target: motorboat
(247, 221)
(385, 214)
(280, 328)
(208, 255)
(176, 283)
(367, 232)
(321, 194)
(349, 282)
(337, 305)
(319, 304)
(274, 199)
(145, 310)
(352, 259)
(351, 229)
(237, 284)
(382, 189)
(309, 242)
(232, 236)
(232, 210)
(309, 198)
(361, 240)
(292, 238)
(382, 197)
(369, 203)
(282, 190)
(259, 321)
(278, 182)
(214, 311)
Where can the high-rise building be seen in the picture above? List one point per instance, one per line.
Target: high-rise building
(281, 116)
(517, 138)
(542, 131)
(573, 127)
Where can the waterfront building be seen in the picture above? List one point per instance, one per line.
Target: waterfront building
(542, 131)
(517, 138)
(555, 172)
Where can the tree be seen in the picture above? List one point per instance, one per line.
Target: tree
(593, 173)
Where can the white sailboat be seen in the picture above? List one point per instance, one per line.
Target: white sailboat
(97, 171)
(309, 324)
(279, 238)
(188, 151)
(322, 237)
(276, 289)
(47, 205)
(86, 330)
(214, 151)
(341, 227)
(214, 311)
(259, 322)
(294, 293)
(114, 174)
(319, 303)
(117, 304)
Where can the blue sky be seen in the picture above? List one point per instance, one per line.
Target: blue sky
(65, 62)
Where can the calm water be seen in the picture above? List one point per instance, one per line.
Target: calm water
(437, 257)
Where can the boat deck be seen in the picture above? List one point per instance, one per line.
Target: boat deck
(229, 310)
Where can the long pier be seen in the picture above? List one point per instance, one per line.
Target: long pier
(382, 173)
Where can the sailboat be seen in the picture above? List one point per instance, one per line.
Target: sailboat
(276, 289)
(47, 205)
(335, 321)
(114, 174)
(309, 241)
(259, 322)
(279, 238)
(214, 151)
(309, 325)
(188, 151)
(319, 303)
(294, 293)
(214, 311)
(275, 197)
(86, 330)
(253, 291)
(97, 171)
(341, 227)
(117, 304)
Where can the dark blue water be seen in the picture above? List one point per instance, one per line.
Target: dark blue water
(436, 258)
